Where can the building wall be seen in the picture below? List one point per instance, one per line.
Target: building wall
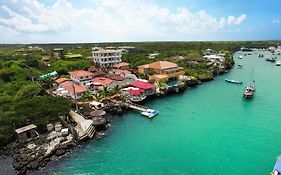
(107, 59)
(81, 80)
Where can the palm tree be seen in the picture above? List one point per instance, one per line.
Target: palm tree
(116, 89)
(105, 91)
(98, 97)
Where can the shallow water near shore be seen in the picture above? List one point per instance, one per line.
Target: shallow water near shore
(208, 129)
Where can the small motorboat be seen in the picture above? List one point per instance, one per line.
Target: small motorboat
(233, 81)
(270, 60)
(150, 113)
(278, 63)
(240, 66)
(240, 57)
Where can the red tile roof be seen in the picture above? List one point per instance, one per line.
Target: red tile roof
(135, 92)
(120, 71)
(98, 73)
(102, 80)
(67, 83)
(61, 80)
(122, 64)
(115, 77)
(142, 85)
(159, 65)
(77, 88)
(80, 73)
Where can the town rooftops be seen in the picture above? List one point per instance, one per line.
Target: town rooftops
(121, 72)
(160, 65)
(122, 64)
(142, 85)
(77, 88)
(102, 80)
(115, 77)
(98, 73)
(107, 51)
(61, 80)
(25, 128)
(80, 73)
(135, 91)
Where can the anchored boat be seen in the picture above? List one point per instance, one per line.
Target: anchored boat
(233, 81)
(250, 90)
(270, 60)
(240, 66)
(278, 63)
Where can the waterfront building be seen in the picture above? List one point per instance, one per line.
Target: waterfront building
(161, 70)
(27, 133)
(134, 94)
(107, 58)
(81, 77)
(148, 88)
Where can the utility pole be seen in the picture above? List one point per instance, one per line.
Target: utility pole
(75, 99)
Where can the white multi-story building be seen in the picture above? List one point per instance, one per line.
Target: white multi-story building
(81, 77)
(107, 58)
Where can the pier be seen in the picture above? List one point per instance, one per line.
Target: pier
(136, 106)
(150, 113)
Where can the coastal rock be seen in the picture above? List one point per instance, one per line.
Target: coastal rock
(60, 152)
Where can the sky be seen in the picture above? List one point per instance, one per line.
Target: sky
(92, 21)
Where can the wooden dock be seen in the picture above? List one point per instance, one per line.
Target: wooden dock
(150, 113)
(136, 106)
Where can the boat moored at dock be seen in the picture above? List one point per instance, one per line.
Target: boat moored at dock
(150, 113)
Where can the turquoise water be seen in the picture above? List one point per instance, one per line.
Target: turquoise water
(209, 129)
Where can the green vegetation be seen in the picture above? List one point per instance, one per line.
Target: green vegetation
(23, 99)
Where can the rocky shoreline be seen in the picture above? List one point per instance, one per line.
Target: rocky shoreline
(20, 158)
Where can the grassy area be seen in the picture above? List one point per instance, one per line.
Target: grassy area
(23, 101)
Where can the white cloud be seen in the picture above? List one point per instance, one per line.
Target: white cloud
(276, 21)
(114, 20)
(236, 21)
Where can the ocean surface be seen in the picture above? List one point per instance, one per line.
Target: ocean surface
(209, 129)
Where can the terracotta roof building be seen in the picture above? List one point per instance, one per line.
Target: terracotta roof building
(149, 89)
(61, 80)
(121, 65)
(168, 70)
(102, 81)
(81, 77)
(75, 91)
